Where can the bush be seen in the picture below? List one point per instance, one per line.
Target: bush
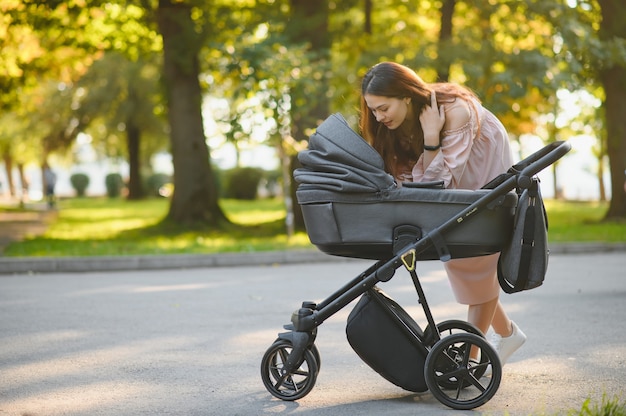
(80, 182)
(242, 183)
(114, 184)
(272, 181)
(155, 182)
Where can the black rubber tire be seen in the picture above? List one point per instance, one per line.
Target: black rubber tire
(316, 353)
(448, 328)
(456, 381)
(288, 386)
(455, 326)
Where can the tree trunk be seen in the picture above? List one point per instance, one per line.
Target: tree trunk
(133, 139)
(553, 132)
(309, 24)
(445, 39)
(8, 165)
(195, 196)
(614, 82)
(601, 187)
(367, 9)
(24, 183)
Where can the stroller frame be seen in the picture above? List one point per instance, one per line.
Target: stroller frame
(290, 366)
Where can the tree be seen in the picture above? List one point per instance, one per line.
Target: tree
(594, 49)
(121, 88)
(613, 77)
(303, 59)
(195, 198)
(121, 96)
(445, 36)
(310, 105)
(41, 58)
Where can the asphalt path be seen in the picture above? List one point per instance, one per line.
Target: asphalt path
(190, 342)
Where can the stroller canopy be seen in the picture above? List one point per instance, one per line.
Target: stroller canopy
(340, 160)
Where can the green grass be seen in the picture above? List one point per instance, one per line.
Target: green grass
(571, 221)
(105, 227)
(606, 407)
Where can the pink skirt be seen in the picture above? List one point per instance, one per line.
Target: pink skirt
(474, 280)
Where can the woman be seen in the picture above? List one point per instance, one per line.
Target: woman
(429, 132)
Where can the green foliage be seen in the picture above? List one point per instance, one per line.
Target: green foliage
(41, 41)
(48, 48)
(119, 95)
(114, 184)
(607, 407)
(241, 183)
(80, 182)
(261, 61)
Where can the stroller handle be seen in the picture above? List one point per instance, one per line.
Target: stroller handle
(539, 160)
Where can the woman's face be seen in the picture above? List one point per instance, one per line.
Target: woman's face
(387, 110)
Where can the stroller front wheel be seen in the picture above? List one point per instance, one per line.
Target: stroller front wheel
(287, 383)
(316, 354)
(456, 380)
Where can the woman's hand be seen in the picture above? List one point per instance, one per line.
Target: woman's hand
(432, 119)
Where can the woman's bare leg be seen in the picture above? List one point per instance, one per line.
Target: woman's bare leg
(482, 315)
(501, 323)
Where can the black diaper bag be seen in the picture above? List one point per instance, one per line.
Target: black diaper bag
(385, 337)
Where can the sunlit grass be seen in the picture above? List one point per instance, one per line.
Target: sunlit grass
(102, 226)
(100, 218)
(253, 212)
(571, 221)
(607, 406)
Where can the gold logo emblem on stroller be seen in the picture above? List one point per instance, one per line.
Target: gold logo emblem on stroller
(408, 259)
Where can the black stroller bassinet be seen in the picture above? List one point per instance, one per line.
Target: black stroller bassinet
(353, 208)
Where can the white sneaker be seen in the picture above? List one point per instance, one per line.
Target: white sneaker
(506, 346)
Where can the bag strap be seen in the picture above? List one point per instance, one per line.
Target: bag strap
(528, 237)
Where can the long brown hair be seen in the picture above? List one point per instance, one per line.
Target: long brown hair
(390, 79)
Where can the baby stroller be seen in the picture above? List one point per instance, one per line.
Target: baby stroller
(352, 208)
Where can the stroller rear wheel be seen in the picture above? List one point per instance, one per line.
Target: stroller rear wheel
(282, 382)
(456, 380)
(455, 326)
(449, 327)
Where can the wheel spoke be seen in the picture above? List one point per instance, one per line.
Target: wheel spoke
(280, 381)
(300, 372)
(284, 355)
(466, 347)
(292, 382)
(475, 382)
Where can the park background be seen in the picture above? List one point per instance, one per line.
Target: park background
(179, 79)
(187, 89)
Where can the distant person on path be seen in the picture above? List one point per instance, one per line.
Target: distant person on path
(50, 180)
